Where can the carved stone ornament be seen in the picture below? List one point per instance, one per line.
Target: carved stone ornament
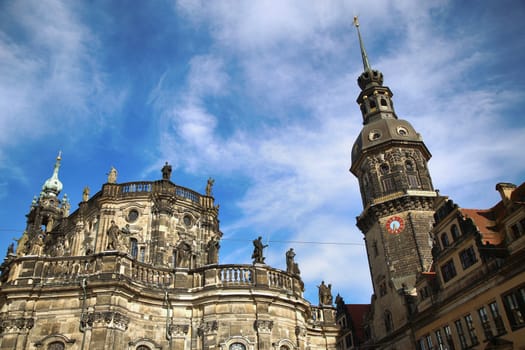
(16, 324)
(264, 326)
(110, 319)
(178, 330)
(208, 327)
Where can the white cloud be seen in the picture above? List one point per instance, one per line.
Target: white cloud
(299, 76)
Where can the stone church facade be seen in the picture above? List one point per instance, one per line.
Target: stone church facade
(136, 268)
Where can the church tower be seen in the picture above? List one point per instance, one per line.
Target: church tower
(390, 159)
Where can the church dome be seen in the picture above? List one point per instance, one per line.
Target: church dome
(383, 131)
(53, 185)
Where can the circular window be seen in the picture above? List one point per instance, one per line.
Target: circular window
(374, 135)
(187, 220)
(133, 215)
(401, 130)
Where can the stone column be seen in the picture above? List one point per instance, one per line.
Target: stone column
(264, 333)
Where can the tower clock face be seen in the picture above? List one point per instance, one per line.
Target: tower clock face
(395, 225)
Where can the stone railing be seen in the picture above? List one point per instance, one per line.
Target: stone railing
(145, 187)
(40, 270)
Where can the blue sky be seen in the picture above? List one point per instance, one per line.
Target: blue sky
(259, 95)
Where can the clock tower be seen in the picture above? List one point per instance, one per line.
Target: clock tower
(390, 159)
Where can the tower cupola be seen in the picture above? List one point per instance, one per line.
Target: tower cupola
(53, 186)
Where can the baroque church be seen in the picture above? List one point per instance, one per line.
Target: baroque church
(135, 267)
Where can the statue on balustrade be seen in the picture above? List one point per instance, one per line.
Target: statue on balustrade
(258, 246)
(213, 251)
(209, 187)
(37, 244)
(183, 255)
(113, 236)
(325, 294)
(85, 194)
(291, 266)
(166, 172)
(112, 176)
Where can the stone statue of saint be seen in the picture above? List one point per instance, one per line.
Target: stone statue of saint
(11, 249)
(113, 236)
(166, 171)
(258, 246)
(85, 194)
(209, 187)
(325, 294)
(112, 176)
(213, 251)
(290, 255)
(37, 245)
(183, 255)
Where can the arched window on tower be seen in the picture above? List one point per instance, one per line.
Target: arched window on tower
(389, 325)
(372, 104)
(366, 188)
(384, 103)
(412, 174)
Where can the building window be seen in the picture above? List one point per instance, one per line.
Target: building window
(421, 344)
(448, 270)
(498, 320)
(444, 240)
(348, 341)
(143, 347)
(518, 230)
(389, 325)
(461, 334)
(429, 341)
(448, 336)
(56, 345)
(134, 248)
(455, 232)
(439, 338)
(515, 307)
(468, 257)
(374, 246)
(471, 330)
(485, 322)
(142, 254)
(237, 346)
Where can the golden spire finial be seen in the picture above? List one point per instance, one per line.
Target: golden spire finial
(366, 64)
(356, 21)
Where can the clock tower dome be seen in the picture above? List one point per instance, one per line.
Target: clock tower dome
(390, 159)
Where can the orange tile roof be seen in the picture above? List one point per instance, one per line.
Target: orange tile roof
(484, 219)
